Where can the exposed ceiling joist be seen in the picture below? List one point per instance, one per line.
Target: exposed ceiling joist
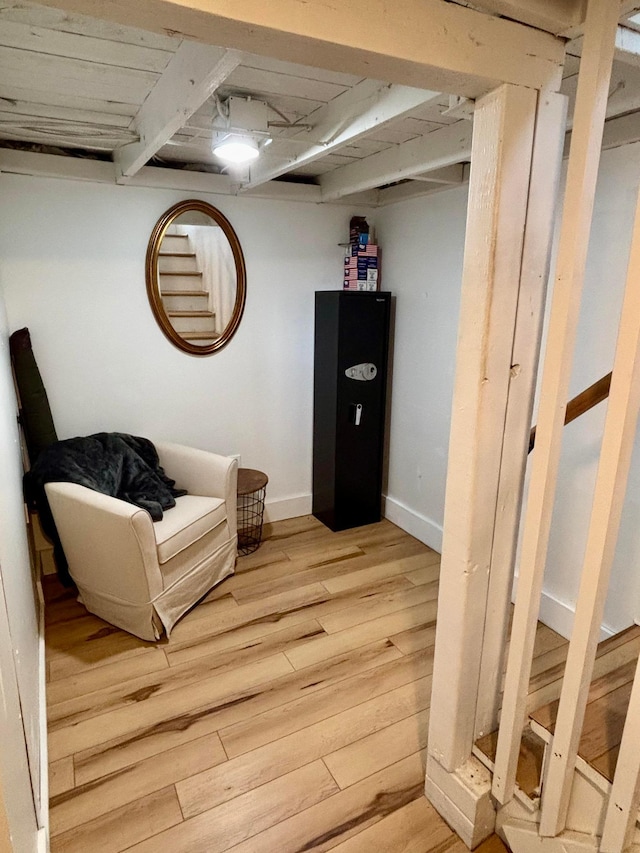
(624, 91)
(448, 175)
(628, 7)
(345, 119)
(627, 46)
(575, 31)
(444, 147)
(34, 164)
(39, 165)
(618, 131)
(409, 190)
(424, 43)
(193, 74)
(554, 16)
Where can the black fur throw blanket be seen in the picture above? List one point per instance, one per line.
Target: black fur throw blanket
(123, 466)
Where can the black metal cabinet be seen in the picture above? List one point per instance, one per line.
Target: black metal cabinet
(350, 376)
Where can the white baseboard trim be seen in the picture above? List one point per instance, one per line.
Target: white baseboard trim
(43, 816)
(559, 616)
(556, 614)
(42, 840)
(287, 508)
(422, 528)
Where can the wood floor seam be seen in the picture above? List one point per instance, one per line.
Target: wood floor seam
(254, 728)
(329, 771)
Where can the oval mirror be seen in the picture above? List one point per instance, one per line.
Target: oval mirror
(196, 278)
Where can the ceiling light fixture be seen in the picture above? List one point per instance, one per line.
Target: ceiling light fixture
(236, 149)
(240, 130)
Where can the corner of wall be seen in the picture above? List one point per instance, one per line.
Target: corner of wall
(412, 522)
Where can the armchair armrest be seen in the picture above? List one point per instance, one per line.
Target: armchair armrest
(201, 472)
(109, 543)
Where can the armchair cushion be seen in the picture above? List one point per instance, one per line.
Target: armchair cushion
(188, 521)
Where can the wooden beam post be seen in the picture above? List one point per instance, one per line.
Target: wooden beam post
(5, 834)
(608, 500)
(499, 183)
(595, 72)
(536, 257)
(624, 799)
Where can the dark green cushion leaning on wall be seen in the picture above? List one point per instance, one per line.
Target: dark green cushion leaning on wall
(37, 422)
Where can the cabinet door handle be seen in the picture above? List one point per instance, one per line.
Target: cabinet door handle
(358, 413)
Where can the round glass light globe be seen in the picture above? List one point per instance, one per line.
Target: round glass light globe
(237, 150)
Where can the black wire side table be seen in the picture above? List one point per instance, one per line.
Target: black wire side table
(252, 486)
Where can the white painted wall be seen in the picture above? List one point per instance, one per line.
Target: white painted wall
(19, 645)
(422, 244)
(73, 259)
(80, 289)
(615, 202)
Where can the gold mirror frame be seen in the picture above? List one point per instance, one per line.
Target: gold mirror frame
(153, 280)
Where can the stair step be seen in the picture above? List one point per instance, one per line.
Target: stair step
(608, 700)
(178, 263)
(185, 300)
(530, 760)
(181, 280)
(186, 321)
(191, 314)
(199, 336)
(176, 243)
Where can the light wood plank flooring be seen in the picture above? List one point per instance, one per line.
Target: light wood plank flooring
(288, 712)
(607, 702)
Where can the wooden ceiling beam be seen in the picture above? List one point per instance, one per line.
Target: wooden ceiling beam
(36, 165)
(444, 147)
(554, 16)
(408, 190)
(429, 44)
(629, 7)
(450, 175)
(347, 118)
(193, 74)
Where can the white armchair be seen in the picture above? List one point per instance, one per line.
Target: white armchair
(142, 575)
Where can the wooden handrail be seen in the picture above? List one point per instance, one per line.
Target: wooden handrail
(586, 400)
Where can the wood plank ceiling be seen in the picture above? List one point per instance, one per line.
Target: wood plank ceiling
(90, 88)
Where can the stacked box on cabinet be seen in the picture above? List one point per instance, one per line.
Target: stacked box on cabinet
(362, 267)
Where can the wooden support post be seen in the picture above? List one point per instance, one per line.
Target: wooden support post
(595, 72)
(624, 799)
(545, 175)
(499, 183)
(5, 834)
(608, 500)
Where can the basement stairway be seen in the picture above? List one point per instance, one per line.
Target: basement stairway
(607, 703)
(185, 296)
(602, 731)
